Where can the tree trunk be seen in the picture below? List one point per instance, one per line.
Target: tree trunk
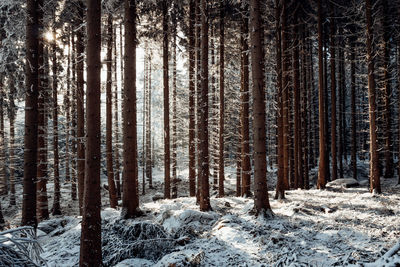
(56, 210)
(167, 165)
(12, 145)
(322, 156)
(342, 96)
(31, 115)
(192, 119)
(221, 98)
(80, 127)
(353, 108)
(148, 129)
(116, 122)
(280, 184)
(375, 185)
(245, 102)
(297, 116)
(203, 122)
(198, 95)
(130, 197)
(109, 151)
(3, 176)
(90, 250)
(73, 118)
(333, 93)
(261, 201)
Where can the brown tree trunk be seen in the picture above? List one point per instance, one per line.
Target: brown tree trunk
(192, 119)
(167, 164)
(109, 151)
(130, 197)
(31, 115)
(333, 93)
(117, 171)
(221, 161)
(261, 201)
(375, 185)
(342, 96)
(304, 152)
(203, 122)
(353, 108)
(245, 102)
(56, 209)
(322, 156)
(198, 95)
(80, 107)
(90, 250)
(280, 184)
(12, 146)
(297, 130)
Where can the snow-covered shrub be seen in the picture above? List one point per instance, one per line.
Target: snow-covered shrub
(124, 239)
(19, 247)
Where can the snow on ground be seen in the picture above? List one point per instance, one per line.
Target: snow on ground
(334, 227)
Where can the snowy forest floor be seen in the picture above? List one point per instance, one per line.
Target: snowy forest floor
(333, 227)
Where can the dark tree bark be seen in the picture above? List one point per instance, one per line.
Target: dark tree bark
(192, 119)
(342, 96)
(203, 122)
(353, 108)
(167, 164)
(80, 120)
(56, 209)
(109, 151)
(261, 201)
(31, 114)
(221, 176)
(280, 185)
(90, 250)
(245, 101)
(149, 164)
(333, 93)
(3, 177)
(174, 112)
(130, 197)
(322, 155)
(117, 171)
(375, 185)
(297, 116)
(12, 145)
(198, 94)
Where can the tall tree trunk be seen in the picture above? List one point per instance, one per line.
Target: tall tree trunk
(198, 95)
(203, 122)
(31, 114)
(280, 184)
(192, 119)
(67, 104)
(375, 185)
(149, 164)
(167, 164)
(56, 210)
(333, 93)
(90, 250)
(3, 176)
(245, 102)
(12, 145)
(261, 201)
(109, 151)
(116, 123)
(130, 197)
(221, 98)
(297, 130)
(80, 127)
(305, 113)
(73, 118)
(321, 101)
(342, 96)
(353, 108)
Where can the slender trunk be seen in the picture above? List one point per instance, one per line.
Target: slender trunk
(203, 122)
(117, 175)
(280, 184)
(198, 95)
(3, 176)
(305, 114)
(322, 156)
(56, 210)
(143, 123)
(12, 146)
(341, 84)
(31, 115)
(90, 249)
(353, 108)
(192, 119)
(80, 108)
(167, 164)
(239, 187)
(333, 94)
(68, 119)
(73, 118)
(109, 151)
(221, 99)
(297, 130)
(149, 164)
(261, 201)
(245, 101)
(375, 185)
(130, 197)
